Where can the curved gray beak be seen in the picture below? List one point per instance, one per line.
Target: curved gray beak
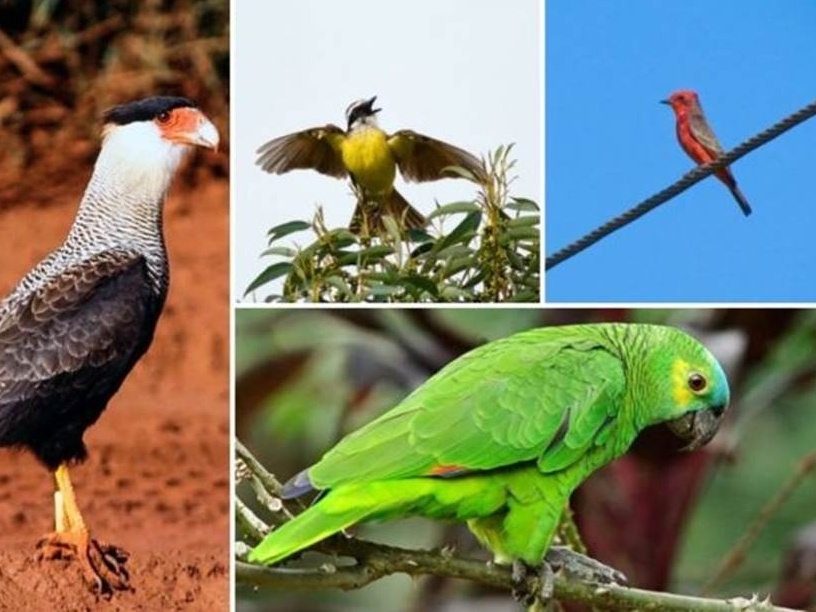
(697, 427)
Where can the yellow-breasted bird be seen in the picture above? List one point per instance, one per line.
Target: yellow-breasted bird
(370, 157)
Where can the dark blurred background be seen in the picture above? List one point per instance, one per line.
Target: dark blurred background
(667, 519)
(63, 62)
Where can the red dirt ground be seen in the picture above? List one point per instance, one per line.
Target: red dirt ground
(157, 480)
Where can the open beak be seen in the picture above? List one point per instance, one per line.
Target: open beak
(697, 427)
(371, 105)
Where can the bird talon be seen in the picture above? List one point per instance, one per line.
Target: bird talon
(543, 583)
(582, 567)
(102, 565)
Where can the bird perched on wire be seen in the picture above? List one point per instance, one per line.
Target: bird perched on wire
(698, 139)
(76, 324)
(370, 157)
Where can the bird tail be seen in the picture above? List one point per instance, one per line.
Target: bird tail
(370, 216)
(340, 508)
(743, 203)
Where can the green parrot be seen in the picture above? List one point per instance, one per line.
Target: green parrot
(502, 436)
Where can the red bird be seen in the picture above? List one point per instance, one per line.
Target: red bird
(698, 139)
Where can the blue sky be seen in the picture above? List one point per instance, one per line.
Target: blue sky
(610, 144)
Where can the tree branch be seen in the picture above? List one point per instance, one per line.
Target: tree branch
(374, 561)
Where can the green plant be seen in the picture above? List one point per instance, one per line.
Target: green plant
(492, 254)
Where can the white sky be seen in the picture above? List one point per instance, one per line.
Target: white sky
(468, 72)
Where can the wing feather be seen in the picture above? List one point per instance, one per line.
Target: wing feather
(543, 396)
(88, 316)
(421, 158)
(313, 149)
(703, 132)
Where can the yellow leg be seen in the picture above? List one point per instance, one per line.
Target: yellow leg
(69, 514)
(102, 565)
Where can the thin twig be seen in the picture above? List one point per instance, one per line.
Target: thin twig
(272, 485)
(740, 550)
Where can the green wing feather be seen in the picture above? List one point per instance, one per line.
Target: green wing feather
(542, 395)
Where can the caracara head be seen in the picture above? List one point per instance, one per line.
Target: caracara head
(147, 139)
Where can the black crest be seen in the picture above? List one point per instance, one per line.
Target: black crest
(145, 110)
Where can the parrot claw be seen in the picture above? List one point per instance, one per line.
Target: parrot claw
(543, 583)
(583, 568)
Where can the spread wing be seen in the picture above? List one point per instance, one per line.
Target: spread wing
(536, 397)
(703, 132)
(314, 149)
(421, 158)
(94, 315)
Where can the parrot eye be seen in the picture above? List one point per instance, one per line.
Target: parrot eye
(697, 382)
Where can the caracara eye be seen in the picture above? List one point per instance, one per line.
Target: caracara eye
(696, 382)
(163, 117)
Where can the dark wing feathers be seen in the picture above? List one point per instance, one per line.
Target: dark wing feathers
(421, 158)
(98, 313)
(312, 149)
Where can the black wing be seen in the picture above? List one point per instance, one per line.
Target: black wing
(94, 318)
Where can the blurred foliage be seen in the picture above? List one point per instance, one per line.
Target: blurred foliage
(305, 378)
(63, 62)
(492, 254)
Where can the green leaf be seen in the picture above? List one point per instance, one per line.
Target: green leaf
(280, 250)
(468, 226)
(279, 231)
(524, 296)
(457, 265)
(522, 204)
(365, 257)
(422, 283)
(385, 290)
(421, 250)
(456, 250)
(418, 236)
(391, 227)
(526, 221)
(340, 284)
(519, 233)
(271, 273)
(454, 294)
(454, 208)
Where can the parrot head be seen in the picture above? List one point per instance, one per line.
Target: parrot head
(693, 388)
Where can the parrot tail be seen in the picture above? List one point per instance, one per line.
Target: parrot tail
(338, 509)
(743, 203)
(369, 214)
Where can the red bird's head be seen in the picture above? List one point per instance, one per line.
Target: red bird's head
(682, 100)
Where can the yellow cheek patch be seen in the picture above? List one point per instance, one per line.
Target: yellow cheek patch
(680, 391)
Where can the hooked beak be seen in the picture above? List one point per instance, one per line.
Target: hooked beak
(191, 127)
(205, 135)
(698, 427)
